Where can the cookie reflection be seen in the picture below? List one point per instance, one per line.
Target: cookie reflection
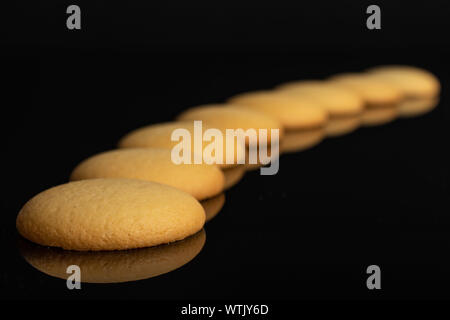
(233, 176)
(338, 126)
(416, 107)
(213, 206)
(296, 141)
(114, 266)
(374, 116)
(256, 162)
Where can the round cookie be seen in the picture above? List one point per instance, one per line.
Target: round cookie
(159, 136)
(199, 180)
(109, 214)
(374, 92)
(230, 117)
(412, 81)
(293, 112)
(338, 101)
(114, 266)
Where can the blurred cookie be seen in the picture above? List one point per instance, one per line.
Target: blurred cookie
(199, 180)
(413, 82)
(231, 117)
(109, 214)
(337, 101)
(159, 136)
(114, 266)
(296, 141)
(374, 92)
(294, 113)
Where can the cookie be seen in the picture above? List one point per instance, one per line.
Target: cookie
(230, 117)
(411, 81)
(375, 93)
(294, 113)
(159, 136)
(199, 180)
(114, 266)
(296, 141)
(213, 206)
(337, 101)
(109, 214)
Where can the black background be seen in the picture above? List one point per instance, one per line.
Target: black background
(376, 196)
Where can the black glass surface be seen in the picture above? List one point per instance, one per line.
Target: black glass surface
(377, 195)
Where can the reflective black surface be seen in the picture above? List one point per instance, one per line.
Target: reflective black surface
(377, 195)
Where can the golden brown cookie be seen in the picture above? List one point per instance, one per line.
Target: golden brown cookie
(231, 117)
(159, 136)
(294, 113)
(200, 180)
(374, 92)
(114, 266)
(109, 214)
(412, 81)
(338, 101)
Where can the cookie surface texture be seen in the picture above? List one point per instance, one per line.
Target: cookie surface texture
(159, 136)
(375, 92)
(293, 112)
(339, 102)
(413, 82)
(228, 116)
(200, 180)
(109, 214)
